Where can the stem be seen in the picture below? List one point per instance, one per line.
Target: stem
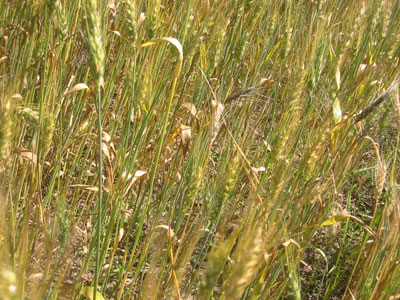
(162, 139)
(100, 198)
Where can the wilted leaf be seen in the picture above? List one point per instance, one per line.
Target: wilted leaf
(335, 219)
(120, 234)
(337, 77)
(92, 188)
(337, 111)
(87, 291)
(340, 217)
(174, 42)
(149, 43)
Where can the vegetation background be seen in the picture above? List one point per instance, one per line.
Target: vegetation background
(199, 149)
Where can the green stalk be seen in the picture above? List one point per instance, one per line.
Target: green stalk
(100, 195)
(97, 51)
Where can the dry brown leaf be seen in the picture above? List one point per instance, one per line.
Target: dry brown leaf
(186, 136)
(259, 169)
(87, 187)
(25, 153)
(105, 150)
(191, 108)
(106, 136)
(290, 241)
(92, 188)
(120, 234)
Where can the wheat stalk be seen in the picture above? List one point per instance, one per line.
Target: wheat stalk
(96, 61)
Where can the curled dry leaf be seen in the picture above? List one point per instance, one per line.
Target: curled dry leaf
(262, 82)
(120, 234)
(105, 150)
(16, 96)
(177, 45)
(290, 241)
(259, 169)
(76, 88)
(105, 268)
(361, 69)
(25, 153)
(137, 175)
(108, 141)
(141, 19)
(3, 58)
(117, 33)
(106, 136)
(191, 108)
(171, 233)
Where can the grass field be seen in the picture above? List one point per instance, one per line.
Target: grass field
(199, 149)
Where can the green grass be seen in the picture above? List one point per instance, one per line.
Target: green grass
(196, 149)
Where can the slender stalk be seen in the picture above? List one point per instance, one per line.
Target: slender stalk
(100, 193)
(96, 48)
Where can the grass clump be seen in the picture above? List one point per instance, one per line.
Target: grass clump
(199, 149)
